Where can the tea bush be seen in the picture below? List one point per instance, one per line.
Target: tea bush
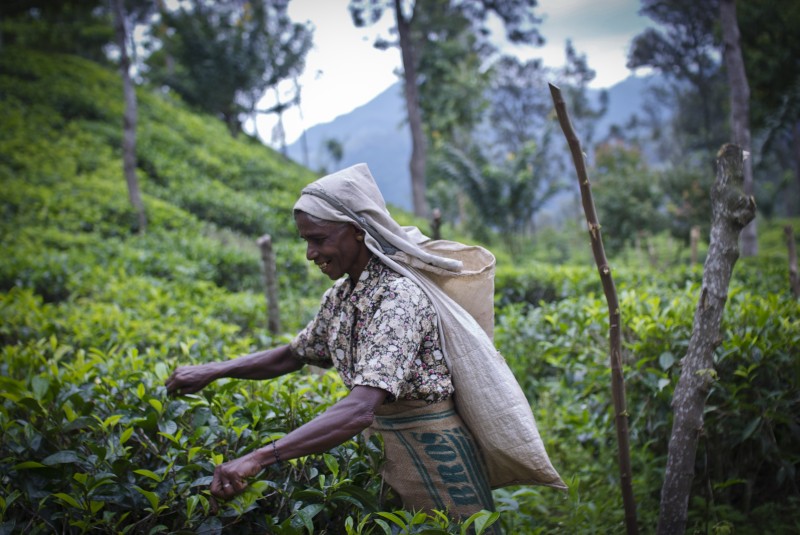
(91, 442)
(97, 445)
(94, 316)
(747, 457)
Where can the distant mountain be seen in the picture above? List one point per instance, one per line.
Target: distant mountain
(376, 133)
(626, 99)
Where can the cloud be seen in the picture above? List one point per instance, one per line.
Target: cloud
(344, 70)
(602, 30)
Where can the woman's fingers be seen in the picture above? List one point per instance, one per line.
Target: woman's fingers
(174, 384)
(226, 486)
(185, 380)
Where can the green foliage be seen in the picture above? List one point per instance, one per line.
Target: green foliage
(539, 282)
(505, 195)
(747, 459)
(452, 88)
(688, 49)
(627, 197)
(217, 55)
(84, 27)
(770, 54)
(92, 442)
(93, 317)
(683, 47)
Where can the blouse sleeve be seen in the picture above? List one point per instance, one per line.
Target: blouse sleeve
(310, 345)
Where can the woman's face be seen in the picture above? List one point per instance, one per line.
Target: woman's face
(336, 248)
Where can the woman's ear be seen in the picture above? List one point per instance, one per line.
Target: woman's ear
(359, 232)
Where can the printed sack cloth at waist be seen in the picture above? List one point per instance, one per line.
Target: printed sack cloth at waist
(432, 461)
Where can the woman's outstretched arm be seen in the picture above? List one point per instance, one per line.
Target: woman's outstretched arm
(260, 365)
(341, 422)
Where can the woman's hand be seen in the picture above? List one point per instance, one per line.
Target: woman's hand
(340, 422)
(230, 478)
(190, 379)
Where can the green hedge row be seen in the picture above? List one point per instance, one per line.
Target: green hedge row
(750, 447)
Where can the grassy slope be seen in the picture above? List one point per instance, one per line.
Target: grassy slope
(94, 315)
(65, 206)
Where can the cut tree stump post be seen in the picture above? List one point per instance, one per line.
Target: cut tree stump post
(794, 281)
(270, 284)
(731, 211)
(436, 224)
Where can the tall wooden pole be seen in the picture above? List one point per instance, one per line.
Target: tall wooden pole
(615, 342)
(436, 224)
(270, 284)
(794, 281)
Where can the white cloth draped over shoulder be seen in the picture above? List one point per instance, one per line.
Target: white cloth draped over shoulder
(459, 280)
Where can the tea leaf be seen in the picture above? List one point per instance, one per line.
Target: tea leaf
(62, 457)
(152, 497)
(147, 473)
(68, 499)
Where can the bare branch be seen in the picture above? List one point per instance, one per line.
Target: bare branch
(617, 380)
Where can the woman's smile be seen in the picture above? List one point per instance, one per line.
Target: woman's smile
(336, 248)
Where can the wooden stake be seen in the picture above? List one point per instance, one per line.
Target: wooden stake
(694, 235)
(270, 284)
(436, 224)
(794, 281)
(617, 381)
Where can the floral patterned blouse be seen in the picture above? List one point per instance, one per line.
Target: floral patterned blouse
(382, 334)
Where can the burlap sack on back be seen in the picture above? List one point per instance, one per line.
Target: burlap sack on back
(488, 397)
(472, 287)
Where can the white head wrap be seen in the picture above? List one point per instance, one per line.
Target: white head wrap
(450, 273)
(352, 196)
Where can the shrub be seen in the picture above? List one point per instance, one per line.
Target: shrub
(93, 317)
(747, 456)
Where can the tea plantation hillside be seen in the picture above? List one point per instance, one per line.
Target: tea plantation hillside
(94, 315)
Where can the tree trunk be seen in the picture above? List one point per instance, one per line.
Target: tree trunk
(740, 107)
(610, 291)
(796, 153)
(794, 281)
(129, 117)
(732, 210)
(418, 146)
(270, 284)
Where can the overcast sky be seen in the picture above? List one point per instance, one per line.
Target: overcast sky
(344, 71)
